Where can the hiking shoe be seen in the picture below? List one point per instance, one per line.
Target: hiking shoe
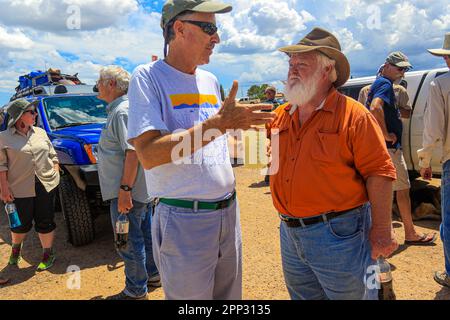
(442, 278)
(47, 261)
(123, 296)
(154, 281)
(15, 256)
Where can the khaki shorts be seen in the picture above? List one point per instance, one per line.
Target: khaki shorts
(402, 182)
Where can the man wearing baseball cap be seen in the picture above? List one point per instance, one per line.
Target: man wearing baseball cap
(387, 100)
(436, 131)
(383, 104)
(195, 229)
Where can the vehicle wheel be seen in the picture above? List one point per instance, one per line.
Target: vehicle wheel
(76, 211)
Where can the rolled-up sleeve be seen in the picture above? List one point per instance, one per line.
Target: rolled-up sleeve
(434, 125)
(3, 159)
(369, 149)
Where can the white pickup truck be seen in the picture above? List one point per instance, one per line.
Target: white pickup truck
(418, 83)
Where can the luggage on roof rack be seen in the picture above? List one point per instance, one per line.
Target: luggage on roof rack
(42, 78)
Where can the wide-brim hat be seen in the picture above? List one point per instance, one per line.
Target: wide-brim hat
(16, 109)
(173, 8)
(445, 51)
(325, 42)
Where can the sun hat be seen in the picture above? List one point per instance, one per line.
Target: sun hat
(325, 42)
(16, 109)
(445, 51)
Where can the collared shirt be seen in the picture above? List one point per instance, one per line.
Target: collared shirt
(112, 148)
(436, 121)
(401, 96)
(26, 157)
(323, 165)
(383, 89)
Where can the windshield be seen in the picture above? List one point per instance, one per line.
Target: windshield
(75, 110)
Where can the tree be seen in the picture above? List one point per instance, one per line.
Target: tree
(257, 92)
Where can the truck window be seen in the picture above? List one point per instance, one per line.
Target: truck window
(75, 110)
(352, 91)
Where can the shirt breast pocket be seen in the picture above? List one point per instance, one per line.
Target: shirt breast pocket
(326, 147)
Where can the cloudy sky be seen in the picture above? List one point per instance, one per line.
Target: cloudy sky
(38, 34)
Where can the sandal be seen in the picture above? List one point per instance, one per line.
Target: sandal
(423, 241)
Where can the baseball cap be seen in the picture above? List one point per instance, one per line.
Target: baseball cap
(173, 8)
(399, 59)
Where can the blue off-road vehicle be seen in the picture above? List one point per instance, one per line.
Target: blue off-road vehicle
(72, 116)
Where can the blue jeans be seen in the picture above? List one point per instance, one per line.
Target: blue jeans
(138, 255)
(445, 204)
(198, 254)
(328, 260)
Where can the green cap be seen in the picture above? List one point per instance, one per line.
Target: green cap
(172, 8)
(398, 59)
(16, 108)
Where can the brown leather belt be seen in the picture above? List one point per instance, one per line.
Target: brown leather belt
(302, 222)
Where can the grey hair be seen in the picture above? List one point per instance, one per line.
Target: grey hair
(324, 61)
(118, 74)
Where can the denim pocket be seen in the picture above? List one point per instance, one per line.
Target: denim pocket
(346, 227)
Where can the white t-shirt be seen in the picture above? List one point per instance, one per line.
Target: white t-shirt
(165, 99)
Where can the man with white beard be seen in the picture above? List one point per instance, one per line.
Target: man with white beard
(334, 180)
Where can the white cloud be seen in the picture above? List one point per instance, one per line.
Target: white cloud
(33, 35)
(53, 15)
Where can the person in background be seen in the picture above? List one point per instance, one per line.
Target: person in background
(29, 175)
(436, 133)
(383, 105)
(270, 93)
(122, 181)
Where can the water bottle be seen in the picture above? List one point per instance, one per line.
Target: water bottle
(386, 291)
(121, 234)
(13, 216)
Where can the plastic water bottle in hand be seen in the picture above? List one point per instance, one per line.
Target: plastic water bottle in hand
(13, 216)
(386, 291)
(121, 234)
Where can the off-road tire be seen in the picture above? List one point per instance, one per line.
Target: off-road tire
(76, 211)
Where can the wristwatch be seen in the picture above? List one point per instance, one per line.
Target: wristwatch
(125, 187)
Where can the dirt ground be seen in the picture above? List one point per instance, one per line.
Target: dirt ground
(102, 271)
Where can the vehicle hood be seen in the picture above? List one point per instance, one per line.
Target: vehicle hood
(89, 133)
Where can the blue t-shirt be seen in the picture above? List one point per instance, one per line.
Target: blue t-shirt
(383, 88)
(165, 99)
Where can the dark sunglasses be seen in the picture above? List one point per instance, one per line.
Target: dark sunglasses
(406, 69)
(207, 27)
(33, 112)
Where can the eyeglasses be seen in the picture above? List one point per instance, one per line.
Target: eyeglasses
(405, 69)
(207, 27)
(33, 112)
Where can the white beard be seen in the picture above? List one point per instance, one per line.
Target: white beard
(299, 92)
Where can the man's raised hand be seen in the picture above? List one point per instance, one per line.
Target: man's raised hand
(242, 116)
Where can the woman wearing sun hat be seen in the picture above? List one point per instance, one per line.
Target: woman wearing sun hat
(29, 174)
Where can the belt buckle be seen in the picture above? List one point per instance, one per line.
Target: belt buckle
(223, 204)
(283, 218)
